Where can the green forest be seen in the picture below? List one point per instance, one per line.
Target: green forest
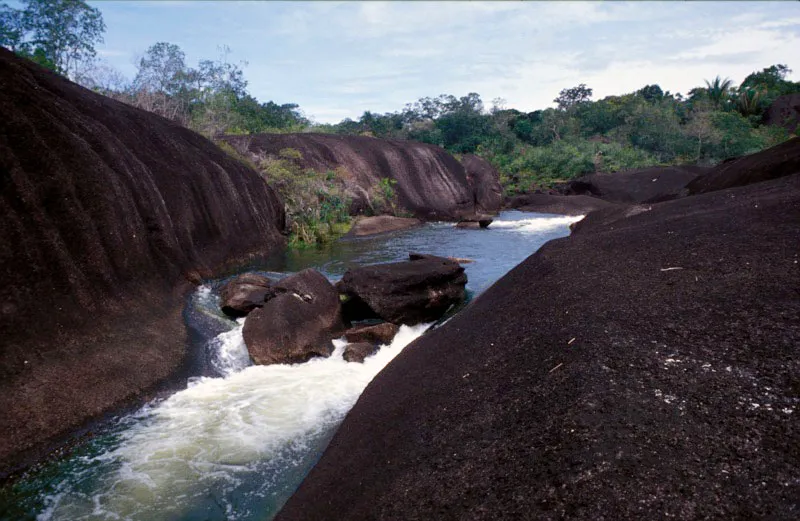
(531, 150)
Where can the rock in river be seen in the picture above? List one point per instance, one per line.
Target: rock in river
(358, 351)
(377, 334)
(297, 324)
(411, 292)
(244, 293)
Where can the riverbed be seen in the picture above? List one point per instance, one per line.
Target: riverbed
(239, 439)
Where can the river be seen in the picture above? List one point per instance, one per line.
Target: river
(236, 442)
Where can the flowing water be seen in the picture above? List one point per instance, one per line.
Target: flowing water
(236, 443)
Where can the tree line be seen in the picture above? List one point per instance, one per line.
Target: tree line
(530, 149)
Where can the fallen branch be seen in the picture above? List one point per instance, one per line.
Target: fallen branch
(670, 269)
(556, 367)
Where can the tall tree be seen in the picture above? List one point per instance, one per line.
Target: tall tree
(718, 90)
(572, 97)
(63, 32)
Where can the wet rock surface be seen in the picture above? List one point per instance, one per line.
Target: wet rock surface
(244, 293)
(376, 334)
(640, 369)
(358, 351)
(113, 213)
(419, 290)
(296, 325)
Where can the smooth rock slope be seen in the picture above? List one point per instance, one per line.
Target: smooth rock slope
(106, 213)
(431, 184)
(646, 368)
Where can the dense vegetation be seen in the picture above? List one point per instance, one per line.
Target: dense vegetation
(530, 149)
(643, 128)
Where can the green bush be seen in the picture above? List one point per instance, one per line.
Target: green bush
(316, 204)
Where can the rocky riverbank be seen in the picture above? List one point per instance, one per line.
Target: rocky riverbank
(646, 366)
(110, 216)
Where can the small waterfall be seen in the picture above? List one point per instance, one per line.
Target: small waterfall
(222, 446)
(537, 224)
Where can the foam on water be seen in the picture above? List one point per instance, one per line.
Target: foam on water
(536, 224)
(218, 435)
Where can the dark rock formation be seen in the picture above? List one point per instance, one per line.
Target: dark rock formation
(475, 223)
(411, 292)
(376, 334)
(644, 370)
(485, 183)
(431, 184)
(244, 293)
(634, 186)
(557, 204)
(778, 161)
(784, 112)
(359, 351)
(297, 324)
(364, 226)
(107, 213)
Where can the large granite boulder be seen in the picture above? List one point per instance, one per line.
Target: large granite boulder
(778, 161)
(297, 324)
(784, 112)
(110, 217)
(557, 204)
(244, 293)
(634, 186)
(645, 370)
(419, 290)
(430, 183)
(485, 182)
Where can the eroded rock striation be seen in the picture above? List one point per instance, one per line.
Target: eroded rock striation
(431, 184)
(107, 213)
(643, 368)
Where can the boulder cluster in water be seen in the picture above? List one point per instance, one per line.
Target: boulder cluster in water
(295, 319)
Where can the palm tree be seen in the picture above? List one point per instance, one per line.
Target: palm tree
(718, 90)
(749, 101)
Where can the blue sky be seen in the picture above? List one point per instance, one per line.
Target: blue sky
(338, 59)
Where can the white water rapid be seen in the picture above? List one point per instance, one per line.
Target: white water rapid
(213, 436)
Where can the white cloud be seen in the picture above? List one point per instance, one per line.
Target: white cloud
(338, 59)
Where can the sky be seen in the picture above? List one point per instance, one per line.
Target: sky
(339, 59)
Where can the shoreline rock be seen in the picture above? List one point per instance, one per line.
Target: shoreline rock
(624, 371)
(114, 213)
(366, 226)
